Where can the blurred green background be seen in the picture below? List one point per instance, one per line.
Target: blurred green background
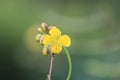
(94, 27)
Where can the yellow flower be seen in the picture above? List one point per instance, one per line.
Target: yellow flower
(55, 40)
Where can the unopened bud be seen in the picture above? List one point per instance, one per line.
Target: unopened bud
(45, 50)
(50, 27)
(37, 38)
(41, 38)
(39, 30)
(44, 26)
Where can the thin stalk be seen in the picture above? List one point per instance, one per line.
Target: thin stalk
(70, 63)
(51, 65)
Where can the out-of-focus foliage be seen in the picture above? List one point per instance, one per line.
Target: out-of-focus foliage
(93, 25)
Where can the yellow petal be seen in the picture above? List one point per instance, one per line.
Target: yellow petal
(65, 40)
(47, 40)
(54, 32)
(56, 49)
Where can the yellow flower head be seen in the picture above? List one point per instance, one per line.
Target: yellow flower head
(55, 40)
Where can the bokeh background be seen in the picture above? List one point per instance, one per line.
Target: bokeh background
(94, 27)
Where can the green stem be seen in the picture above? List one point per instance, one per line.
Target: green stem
(70, 63)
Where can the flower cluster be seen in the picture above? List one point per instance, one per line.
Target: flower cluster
(51, 39)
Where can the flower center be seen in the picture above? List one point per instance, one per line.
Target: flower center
(55, 40)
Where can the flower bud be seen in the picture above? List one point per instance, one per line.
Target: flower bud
(41, 38)
(39, 30)
(50, 27)
(45, 50)
(44, 26)
(37, 38)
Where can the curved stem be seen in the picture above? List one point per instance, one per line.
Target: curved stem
(70, 63)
